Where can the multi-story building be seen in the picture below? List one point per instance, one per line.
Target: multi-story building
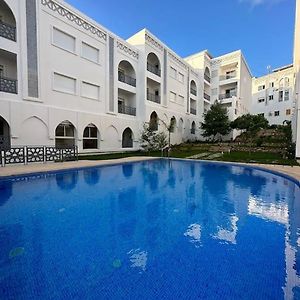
(273, 95)
(66, 80)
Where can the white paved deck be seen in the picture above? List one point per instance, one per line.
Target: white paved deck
(38, 167)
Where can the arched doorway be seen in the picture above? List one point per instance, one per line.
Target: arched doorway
(90, 137)
(193, 128)
(4, 134)
(153, 125)
(127, 138)
(173, 124)
(65, 135)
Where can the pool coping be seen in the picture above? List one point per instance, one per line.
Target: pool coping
(34, 169)
(273, 169)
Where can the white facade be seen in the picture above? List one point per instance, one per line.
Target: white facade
(66, 80)
(273, 95)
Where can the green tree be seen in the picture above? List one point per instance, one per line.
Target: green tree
(216, 121)
(151, 139)
(250, 123)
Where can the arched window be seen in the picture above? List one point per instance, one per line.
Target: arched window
(127, 138)
(207, 74)
(193, 88)
(126, 73)
(153, 64)
(90, 137)
(153, 121)
(193, 128)
(65, 135)
(172, 124)
(4, 135)
(7, 22)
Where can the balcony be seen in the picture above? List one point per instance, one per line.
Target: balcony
(207, 78)
(227, 95)
(228, 76)
(153, 69)
(126, 110)
(126, 79)
(153, 97)
(206, 96)
(8, 31)
(8, 85)
(193, 111)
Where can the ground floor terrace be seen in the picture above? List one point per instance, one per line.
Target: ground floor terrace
(39, 125)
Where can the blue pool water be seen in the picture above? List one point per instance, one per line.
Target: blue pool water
(150, 230)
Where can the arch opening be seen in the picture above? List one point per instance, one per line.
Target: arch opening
(90, 137)
(5, 142)
(127, 138)
(153, 124)
(153, 64)
(65, 135)
(126, 73)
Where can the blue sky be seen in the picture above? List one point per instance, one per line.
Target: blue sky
(263, 29)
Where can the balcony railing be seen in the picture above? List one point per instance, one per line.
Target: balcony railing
(206, 96)
(207, 78)
(193, 111)
(227, 95)
(228, 76)
(126, 79)
(153, 98)
(193, 92)
(8, 31)
(127, 110)
(8, 85)
(153, 69)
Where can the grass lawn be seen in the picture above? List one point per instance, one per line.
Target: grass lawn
(257, 157)
(236, 156)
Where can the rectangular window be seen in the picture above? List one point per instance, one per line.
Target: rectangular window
(286, 95)
(271, 97)
(261, 87)
(276, 113)
(90, 53)
(180, 77)
(280, 98)
(261, 100)
(64, 83)
(89, 90)
(288, 112)
(173, 73)
(180, 99)
(271, 84)
(172, 97)
(64, 40)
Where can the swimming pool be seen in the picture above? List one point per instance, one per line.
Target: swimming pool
(162, 229)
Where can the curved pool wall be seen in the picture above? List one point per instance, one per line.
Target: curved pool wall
(161, 229)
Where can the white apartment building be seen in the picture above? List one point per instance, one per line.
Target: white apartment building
(273, 95)
(66, 80)
(227, 79)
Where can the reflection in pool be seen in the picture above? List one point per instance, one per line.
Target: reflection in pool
(150, 230)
